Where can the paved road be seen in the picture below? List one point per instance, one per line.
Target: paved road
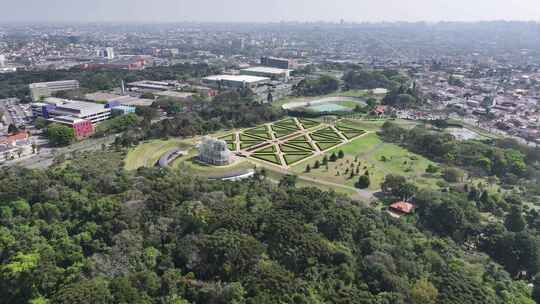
(46, 156)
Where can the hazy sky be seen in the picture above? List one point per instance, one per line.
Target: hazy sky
(268, 10)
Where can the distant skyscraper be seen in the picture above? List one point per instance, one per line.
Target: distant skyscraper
(109, 53)
(238, 44)
(2, 61)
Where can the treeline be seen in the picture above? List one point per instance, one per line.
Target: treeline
(16, 84)
(504, 158)
(319, 86)
(87, 231)
(363, 79)
(456, 213)
(403, 96)
(230, 109)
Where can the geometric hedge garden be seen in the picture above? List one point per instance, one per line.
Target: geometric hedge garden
(295, 147)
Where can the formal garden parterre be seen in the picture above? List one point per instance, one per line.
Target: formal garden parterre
(289, 141)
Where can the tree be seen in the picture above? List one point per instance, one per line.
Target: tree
(423, 292)
(308, 168)
(407, 191)
(317, 165)
(320, 86)
(392, 183)
(325, 160)
(453, 175)
(60, 135)
(85, 292)
(12, 129)
(341, 154)
(40, 123)
(363, 182)
(333, 157)
(514, 220)
(371, 102)
(536, 289)
(288, 181)
(148, 95)
(432, 169)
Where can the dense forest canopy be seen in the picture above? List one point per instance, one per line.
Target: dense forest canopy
(16, 84)
(86, 231)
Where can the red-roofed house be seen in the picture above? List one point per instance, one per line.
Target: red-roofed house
(402, 207)
(23, 135)
(379, 110)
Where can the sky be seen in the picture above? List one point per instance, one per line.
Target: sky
(267, 10)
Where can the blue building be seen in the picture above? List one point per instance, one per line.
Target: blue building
(122, 110)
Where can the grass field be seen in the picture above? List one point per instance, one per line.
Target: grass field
(269, 157)
(369, 153)
(293, 157)
(148, 153)
(194, 167)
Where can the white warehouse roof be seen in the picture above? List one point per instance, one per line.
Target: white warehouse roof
(267, 70)
(239, 78)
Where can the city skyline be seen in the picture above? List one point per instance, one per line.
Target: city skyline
(269, 11)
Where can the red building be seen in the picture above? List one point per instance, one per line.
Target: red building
(82, 127)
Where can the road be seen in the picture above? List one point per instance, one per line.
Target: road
(46, 155)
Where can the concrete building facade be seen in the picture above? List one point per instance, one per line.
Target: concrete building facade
(280, 63)
(45, 89)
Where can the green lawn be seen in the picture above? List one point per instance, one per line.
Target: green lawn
(297, 146)
(272, 158)
(270, 149)
(194, 167)
(147, 153)
(291, 158)
(308, 123)
(228, 138)
(351, 104)
(325, 145)
(276, 176)
(366, 154)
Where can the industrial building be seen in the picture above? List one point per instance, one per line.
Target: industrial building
(45, 89)
(269, 72)
(54, 107)
(93, 112)
(234, 81)
(179, 96)
(280, 63)
(147, 85)
(131, 63)
(82, 116)
(115, 99)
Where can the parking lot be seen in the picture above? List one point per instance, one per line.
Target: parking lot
(16, 113)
